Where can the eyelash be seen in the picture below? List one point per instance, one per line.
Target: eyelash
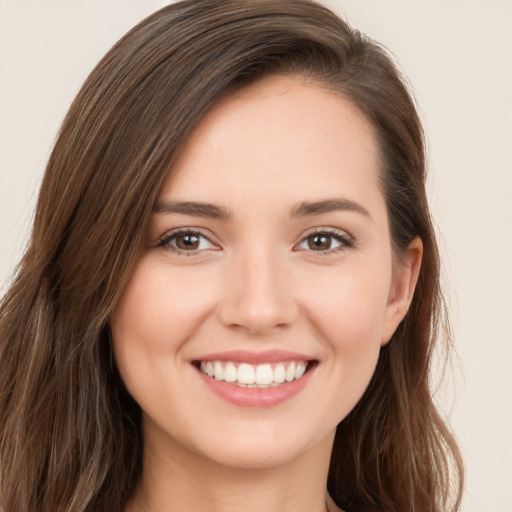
(346, 241)
(166, 240)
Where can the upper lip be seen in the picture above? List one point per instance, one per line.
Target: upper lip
(251, 357)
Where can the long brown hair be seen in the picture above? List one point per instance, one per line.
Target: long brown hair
(70, 437)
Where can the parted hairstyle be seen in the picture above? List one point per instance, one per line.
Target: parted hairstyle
(70, 434)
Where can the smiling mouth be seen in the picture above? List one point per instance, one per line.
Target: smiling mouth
(254, 376)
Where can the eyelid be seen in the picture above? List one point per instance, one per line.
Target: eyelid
(164, 240)
(347, 240)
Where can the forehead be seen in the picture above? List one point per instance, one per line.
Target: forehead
(279, 136)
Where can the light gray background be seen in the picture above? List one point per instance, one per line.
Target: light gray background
(456, 53)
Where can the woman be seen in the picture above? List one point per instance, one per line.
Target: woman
(231, 294)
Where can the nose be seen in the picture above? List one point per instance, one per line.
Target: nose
(258, 295)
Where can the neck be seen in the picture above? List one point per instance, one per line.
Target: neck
(175, 478)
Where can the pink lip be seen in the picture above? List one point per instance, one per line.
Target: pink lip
(255, 397)
(246, 356)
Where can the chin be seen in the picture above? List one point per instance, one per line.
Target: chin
(263, 449)
(253, 456)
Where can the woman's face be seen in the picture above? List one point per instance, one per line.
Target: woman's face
(268, 252)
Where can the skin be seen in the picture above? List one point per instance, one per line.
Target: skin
(256, 282)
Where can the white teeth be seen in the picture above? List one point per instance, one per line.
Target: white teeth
(246, 374)
(299, 370)
(290, 372)
(254, 376)
(218, 371)
(264, 374)
(230, 373)
(279, 374)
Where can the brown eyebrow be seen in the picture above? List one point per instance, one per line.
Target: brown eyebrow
(193, 208)
(328, 205)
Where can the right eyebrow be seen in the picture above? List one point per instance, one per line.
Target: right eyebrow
(194, 208)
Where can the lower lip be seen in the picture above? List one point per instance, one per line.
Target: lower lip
(256, 397)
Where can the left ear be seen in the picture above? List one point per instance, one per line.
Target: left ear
(403, 284)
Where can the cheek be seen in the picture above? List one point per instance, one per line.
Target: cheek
(159, 308)
(346, 310)
(347, 306)
(157, 313)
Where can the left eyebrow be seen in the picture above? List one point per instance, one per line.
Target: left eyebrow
(328, 205)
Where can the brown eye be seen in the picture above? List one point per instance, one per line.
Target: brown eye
(326, 242)
(319, 242)
(187, 241)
